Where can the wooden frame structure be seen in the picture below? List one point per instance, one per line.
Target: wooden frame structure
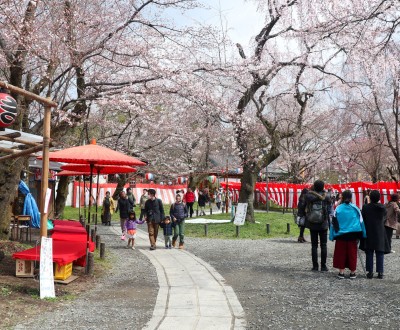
(48, 105)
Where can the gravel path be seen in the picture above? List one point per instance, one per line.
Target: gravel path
(277, 289)
(123, 299)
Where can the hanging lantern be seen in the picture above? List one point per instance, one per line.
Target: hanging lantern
(8, 109)
(149, 176)
(181, 180)
(212, 179)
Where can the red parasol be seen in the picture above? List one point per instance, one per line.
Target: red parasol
(93, 154)
(102, 169)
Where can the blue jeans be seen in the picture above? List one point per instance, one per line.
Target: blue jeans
(369, 263)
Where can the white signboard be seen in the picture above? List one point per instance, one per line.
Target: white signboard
(46, 269)
(47, 200)
(240, 215)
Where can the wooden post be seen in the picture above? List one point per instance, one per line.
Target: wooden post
(45, 170)
(98, 240)
(102, 250)
(210, 211)
(93, 235)
(288, 228)
(90, 263)
(206, 229)
(237, 231)
(268, 228)
(197, 212)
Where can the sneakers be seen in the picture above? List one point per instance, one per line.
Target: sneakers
(152, 248)
(391, 251)
(370, 275)
(314, 269)
(380, 276)
(340, 276)
(353, 276)
(127, 247)
(397, 236)
(166, 246)
(324, 268)
(301, 240)
(169, 246)
(133, 248)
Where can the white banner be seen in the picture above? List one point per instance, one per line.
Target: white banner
(46, 269)
(240, 215)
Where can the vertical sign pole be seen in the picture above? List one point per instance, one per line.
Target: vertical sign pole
(45, 170)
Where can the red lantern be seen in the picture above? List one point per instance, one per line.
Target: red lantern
(181, 180)
(212, 179)
(149, 176)
(8, 110)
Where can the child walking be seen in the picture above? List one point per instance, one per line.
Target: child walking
(166, 225)
(130, 228)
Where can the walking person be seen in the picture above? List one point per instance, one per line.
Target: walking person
(218, 199)
(142, 202)
(108, 208)
(318, 211)
(202, 202)
(301, 214)
(374, 214)
(190, 198)
(130, 228)
(178, 213)
(123, 208)
(393, 213)
(131, 199)
(154, 212)
(347, 228)
(167, 226)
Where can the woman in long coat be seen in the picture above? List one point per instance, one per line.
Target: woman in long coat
(376, 241)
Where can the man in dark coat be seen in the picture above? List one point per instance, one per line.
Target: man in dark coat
(154, 213)
(123, 207)
(317, 197)
(374, 219)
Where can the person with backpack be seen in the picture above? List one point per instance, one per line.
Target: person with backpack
(347, 228)
(107, 209)
(318, 211)
(154, 212)
(178, 213)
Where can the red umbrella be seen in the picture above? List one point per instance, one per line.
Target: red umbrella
(93, 154)
(102, 169)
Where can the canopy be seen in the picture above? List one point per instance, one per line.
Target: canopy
(102, 169)
(30, 206)
(93, 154)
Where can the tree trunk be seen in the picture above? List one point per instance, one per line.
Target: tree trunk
(10, 171)
(246, 194)
(62, 193)
(122, 180)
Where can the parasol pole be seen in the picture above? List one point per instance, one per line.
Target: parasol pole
(79, 197)
(45, 170)
(88, 227)
(97, 197)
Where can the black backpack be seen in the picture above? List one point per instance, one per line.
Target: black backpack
(106, 203)
(315, 210)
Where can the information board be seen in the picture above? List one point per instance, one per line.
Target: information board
(240, 215)
(46, 269)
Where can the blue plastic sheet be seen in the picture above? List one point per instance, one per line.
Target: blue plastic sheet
(30, 206)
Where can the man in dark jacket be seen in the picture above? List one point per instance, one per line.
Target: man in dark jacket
(178, 213)
(318, 211)
(154, 213)
(123, 207)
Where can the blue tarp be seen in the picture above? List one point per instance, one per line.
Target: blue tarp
(30, 206)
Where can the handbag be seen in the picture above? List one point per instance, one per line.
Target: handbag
(123, 237)
(300, 221)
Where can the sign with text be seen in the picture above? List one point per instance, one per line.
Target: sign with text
(46, 269)
(240, 215)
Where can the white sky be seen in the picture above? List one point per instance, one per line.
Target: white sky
(241, 17)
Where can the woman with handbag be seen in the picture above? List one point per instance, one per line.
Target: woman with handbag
(301, 215)
(393, 213)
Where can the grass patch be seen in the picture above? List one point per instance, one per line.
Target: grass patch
(278, 227)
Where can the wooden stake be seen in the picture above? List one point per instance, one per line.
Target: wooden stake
(102, 250)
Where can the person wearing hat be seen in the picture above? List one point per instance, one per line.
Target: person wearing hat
(154, 213)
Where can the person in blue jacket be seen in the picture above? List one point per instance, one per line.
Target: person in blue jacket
(347, 228)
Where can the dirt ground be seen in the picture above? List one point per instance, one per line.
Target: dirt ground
(18, 295)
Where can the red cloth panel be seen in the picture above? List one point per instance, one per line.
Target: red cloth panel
(63, 252)
(70, 237)
(70, 223)
(69, 229)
